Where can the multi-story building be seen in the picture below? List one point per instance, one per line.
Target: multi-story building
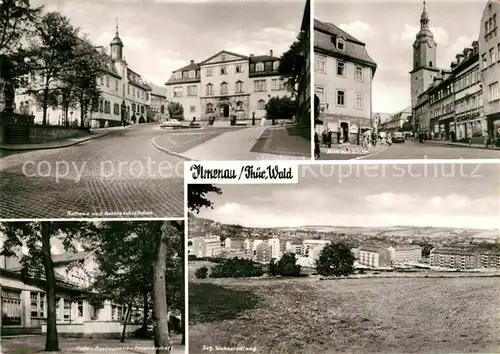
(124, 95)
(405, 254)
(343, 82)
(395, 121)
(23, 300)
(157, 107)
(227, 85)
(310, 244)
(421, 114)
(489, 51)
(442, 107)
(455, 258)
(424, 61)
(264, 252)
(469, 116)
(234, 244)
(207, 246)
(276, 247)
(294, 247)
(375, 257)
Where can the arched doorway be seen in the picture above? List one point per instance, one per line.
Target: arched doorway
(142, 120)
(344, 128)
(224, 110)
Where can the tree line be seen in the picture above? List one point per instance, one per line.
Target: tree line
(43, 55)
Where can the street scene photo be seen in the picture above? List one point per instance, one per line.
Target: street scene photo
(92, 287)
(422, 84)
(352, 259)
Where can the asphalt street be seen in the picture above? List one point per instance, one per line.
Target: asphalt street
(119, 175)
(180, 141)
(413, 149)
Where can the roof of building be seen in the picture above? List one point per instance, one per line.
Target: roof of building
(157, 90)
(257, 58)
(373, 249)
(466, 251)
(407, 247)
(354, 48)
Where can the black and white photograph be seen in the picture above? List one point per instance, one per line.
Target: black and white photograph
(406, 80)
(352, 259)
(92, 287)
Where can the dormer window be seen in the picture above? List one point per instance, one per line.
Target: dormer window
(178, 75)
(259, 67)
(276, 65)
(340, 44)
(192, 74)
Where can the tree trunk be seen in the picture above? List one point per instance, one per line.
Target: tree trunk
(146, 312)
(52, 342)
(45, 101)
(127, 318)
(162, 338)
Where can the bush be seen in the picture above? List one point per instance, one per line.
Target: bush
(236, 268)
(201, 273)
(272, 268)
(287, 266)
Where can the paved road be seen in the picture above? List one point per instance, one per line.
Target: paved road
(180, 141)
(119, 175)
(412, 149)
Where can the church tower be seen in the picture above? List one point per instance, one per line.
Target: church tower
(116, 46)
(424, 59)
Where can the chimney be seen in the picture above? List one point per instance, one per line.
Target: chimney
(192, 61)
(271, 52)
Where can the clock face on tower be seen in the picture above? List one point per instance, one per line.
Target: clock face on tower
(431, 43)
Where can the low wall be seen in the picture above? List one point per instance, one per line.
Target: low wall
(44, 133)
(94, 329)
(7, 331)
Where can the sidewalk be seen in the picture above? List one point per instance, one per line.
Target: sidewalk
(56, 144)
(234, 145)
(350, 149)
(450, 143)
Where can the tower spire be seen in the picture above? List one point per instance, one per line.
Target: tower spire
(424, 19)
(117, 24)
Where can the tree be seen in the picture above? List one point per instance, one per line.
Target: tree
(280, 108)
(292, 62)
(55, 53)
(197, 196)
(272, 268)
(287, 266)
(37, 236)
(407, 126)
(335, 259)
(175, 111)
(201, 273)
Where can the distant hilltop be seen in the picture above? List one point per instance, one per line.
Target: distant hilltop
(202, 227)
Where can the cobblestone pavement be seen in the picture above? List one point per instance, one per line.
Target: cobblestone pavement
(180, 141)
(119, 175)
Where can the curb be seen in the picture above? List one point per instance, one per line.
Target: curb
(368, 155)
(53, 147)
(465, 146)
(169, 152)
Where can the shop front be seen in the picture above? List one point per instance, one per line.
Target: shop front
(471, 127)
(346, 128)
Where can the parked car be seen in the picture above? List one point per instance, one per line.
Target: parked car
(398, 138)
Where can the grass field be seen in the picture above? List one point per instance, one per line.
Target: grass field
(400, 315)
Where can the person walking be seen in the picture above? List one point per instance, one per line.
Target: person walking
(316, 146)
(329, 139)
(486, 139)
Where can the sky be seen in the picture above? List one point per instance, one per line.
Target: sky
(458, 196)
(389, 29)
(160, 37)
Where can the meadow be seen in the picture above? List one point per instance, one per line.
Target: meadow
(308, 315)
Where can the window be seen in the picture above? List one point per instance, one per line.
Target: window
(492, 56)
(128, 89)
(484, 61)
(274, 84)
(178, 91)
(320, 92)
(178, 75)
(341, 68)
(498, 52)
(259, 67)
(320, 64)
(239, 86)
(340, 44)
(261, 104)
(192, 90)
(341, 98)
(239, 106)
(133, 91)
(210, 89)
(107, 81)
(80, 308)
(281, 85)
(239, 68)
(101, 106)
(223, 70)
(210, 108)
(116, 84)
(276, 65)
(67, 309)
(192, 109)
(208, 71)
(37, 304)
(11, 307)
(102, 80)
(192, 74)
(260, 85)
(223, 88)
(493, 92)
(359, 73)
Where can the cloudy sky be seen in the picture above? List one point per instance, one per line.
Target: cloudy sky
(162, 36)
(368, 195)
(389, 28)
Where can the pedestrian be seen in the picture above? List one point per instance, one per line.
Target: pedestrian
(324, 137)
(486, 139)
(329, 139)
(316, 146)
(374, 139)
(421, 137)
